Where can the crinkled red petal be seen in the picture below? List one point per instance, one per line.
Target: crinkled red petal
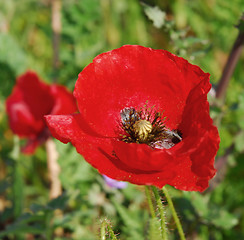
(30, 100)
(98, 151)
(120, 161)
(200, 137)
(132, 76)
(36, 94)
(28, 103)
(21, 120)
(141, 157)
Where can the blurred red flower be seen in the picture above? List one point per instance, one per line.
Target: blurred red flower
(29, 101)
(144, 118)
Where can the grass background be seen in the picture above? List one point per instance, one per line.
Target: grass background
(201, 31)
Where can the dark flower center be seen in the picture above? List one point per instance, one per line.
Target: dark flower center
(147, 126)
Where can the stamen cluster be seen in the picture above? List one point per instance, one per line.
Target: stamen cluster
(143, 126)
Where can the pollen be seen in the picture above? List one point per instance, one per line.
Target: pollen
(142, 128)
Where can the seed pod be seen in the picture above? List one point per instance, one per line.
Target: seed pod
(142, 128)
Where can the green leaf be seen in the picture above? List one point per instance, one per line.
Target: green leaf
(59, 202)
(226, 138)
(7, 78)
(26, 223)
(239, 142)
(22, 228)
(127, 216)
(199, 202)
(223, 219)
(36, 208)
(76, 171)
(240, 26)
(12, 54)
(156, 15)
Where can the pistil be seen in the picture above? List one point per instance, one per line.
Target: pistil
(142, 128)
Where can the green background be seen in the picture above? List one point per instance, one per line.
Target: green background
(203, 32)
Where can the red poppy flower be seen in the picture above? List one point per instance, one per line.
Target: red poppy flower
(144, 118)
(30, 100)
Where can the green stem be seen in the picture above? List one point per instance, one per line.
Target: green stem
(174, 214)
(162, 213)
(103, 230)
(49, 226)
(111, 232)
(149, 199)
(106, 224)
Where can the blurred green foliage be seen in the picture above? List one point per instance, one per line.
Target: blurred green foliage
(201, 31)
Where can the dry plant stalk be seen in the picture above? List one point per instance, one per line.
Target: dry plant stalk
(53, 169)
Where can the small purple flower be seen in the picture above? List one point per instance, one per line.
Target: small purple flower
(114, 183)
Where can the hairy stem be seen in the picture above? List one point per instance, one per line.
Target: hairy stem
(174, 214)
(149, 200)
(160, 205)
(103, 230)
(111, 232)
(106, 225)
